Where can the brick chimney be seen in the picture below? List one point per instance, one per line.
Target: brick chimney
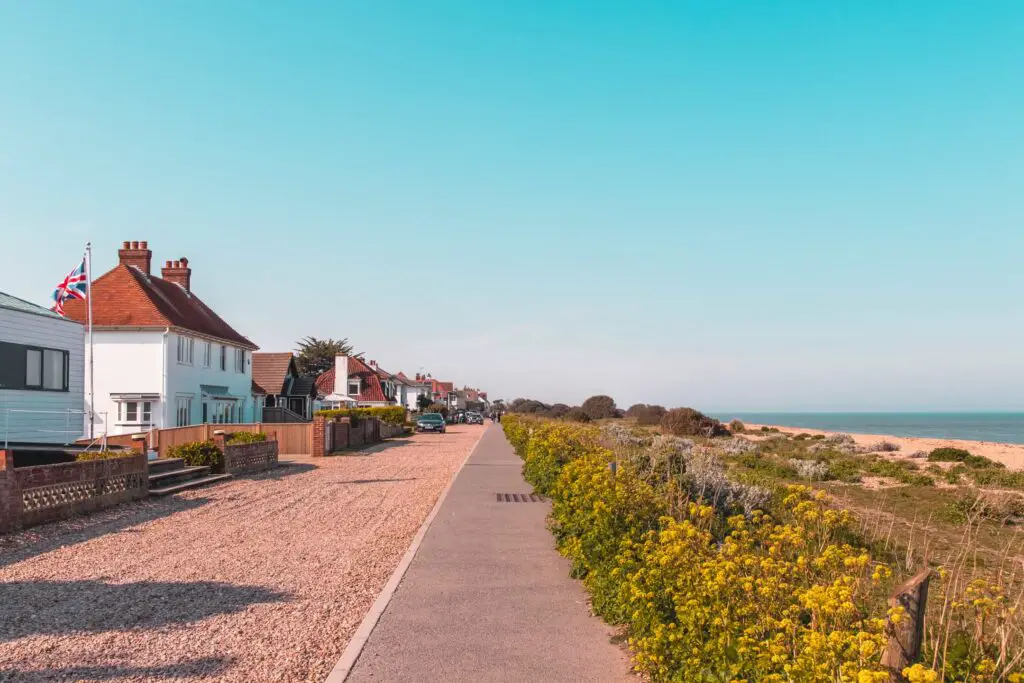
(136, 254)
(178, 272)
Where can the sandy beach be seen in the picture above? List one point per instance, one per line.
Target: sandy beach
(1011, 455)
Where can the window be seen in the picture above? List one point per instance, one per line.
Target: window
(46, 369)
(34, 368)
(186, 350)
(239, 360)
(135, 412)
(353, 387)
(223, 358)
(207, 354)
(183, 411)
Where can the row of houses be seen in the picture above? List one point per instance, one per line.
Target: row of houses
(162, 358)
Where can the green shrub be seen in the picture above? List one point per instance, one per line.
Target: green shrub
(818, 437)
(737, 427)
(199, 454)
(246, 437)
(948, 455)
(390, 414)
(85, 456)
(845, 470)
(899, 470)
(997, 478)
(768, 466)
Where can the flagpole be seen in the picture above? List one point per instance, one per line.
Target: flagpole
(88, 300)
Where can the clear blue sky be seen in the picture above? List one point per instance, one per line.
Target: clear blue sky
(735, 206)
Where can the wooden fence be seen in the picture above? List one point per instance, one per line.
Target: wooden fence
(292, 439)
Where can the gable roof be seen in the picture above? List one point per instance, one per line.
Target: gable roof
(369, 384)
(124, 296)
(13, 303)
(270, 371)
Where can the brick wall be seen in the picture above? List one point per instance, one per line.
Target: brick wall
(390, 431)
(34, 495)
(250, 457)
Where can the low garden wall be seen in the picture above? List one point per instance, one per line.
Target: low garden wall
(333, 433)
(390, 431)
(46, 493)
(250, 457)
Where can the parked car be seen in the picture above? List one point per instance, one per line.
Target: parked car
(431, 422)
(474, 419)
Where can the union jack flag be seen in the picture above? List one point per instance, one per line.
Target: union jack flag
(74, 286)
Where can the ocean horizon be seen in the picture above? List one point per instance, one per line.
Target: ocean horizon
(1003, 427)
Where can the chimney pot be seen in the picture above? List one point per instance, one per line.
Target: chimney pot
(179, 273)
(135, 254)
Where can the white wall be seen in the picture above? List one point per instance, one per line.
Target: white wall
(186, 379)
(125, 363)
(48, 332)
(143, 362)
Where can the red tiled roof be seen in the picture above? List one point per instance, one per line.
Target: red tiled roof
(269, 371)
(370, 389)
(126, 297)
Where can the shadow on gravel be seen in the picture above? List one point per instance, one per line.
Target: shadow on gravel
(59, 607)
(22, 545)
(209, 666)
(374, 481)
(285, 469)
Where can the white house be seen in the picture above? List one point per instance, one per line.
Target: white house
(414, 389)
(163, 358)
(41, 374)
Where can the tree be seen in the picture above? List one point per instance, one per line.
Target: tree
(423, 402)
(438, 408)
(316, 356)
(577, 415)
(690, 422)
(599, 407)
(558, 410)
(646, 414)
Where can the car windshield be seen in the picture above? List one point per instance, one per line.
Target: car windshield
(432, 417)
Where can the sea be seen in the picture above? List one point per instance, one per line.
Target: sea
(997, 427)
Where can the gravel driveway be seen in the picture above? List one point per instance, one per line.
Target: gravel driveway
(263, 578)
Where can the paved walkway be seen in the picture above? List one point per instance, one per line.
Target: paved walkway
(487, 598)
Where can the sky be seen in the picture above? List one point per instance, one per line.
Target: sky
(727, 205)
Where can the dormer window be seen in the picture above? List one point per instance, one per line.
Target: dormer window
(353, 387)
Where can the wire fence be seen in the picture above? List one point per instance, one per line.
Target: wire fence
(55, 427)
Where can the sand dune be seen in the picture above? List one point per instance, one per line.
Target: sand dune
(1011, 455)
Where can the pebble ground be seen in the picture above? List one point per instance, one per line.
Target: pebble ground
(263, 578)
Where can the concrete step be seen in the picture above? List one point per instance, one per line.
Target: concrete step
(168, 477)
(164, 464)
(189, 484)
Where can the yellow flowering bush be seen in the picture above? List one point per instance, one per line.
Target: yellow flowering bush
(771, 596)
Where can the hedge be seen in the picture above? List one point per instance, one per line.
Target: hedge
(707, 595)
(104, 455)
(246, 437)
(390, 414)
(199, 454)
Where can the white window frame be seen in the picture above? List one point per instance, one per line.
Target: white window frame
(223, 358)
(358, 386)
(143, 410)
(186, 350)
(182, 411)
(239, 360)
(207, 354)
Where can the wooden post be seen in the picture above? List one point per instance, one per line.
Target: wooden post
(905, 637)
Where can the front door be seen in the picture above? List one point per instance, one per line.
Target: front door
(297, 405)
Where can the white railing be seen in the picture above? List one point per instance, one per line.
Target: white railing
(49, 426)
